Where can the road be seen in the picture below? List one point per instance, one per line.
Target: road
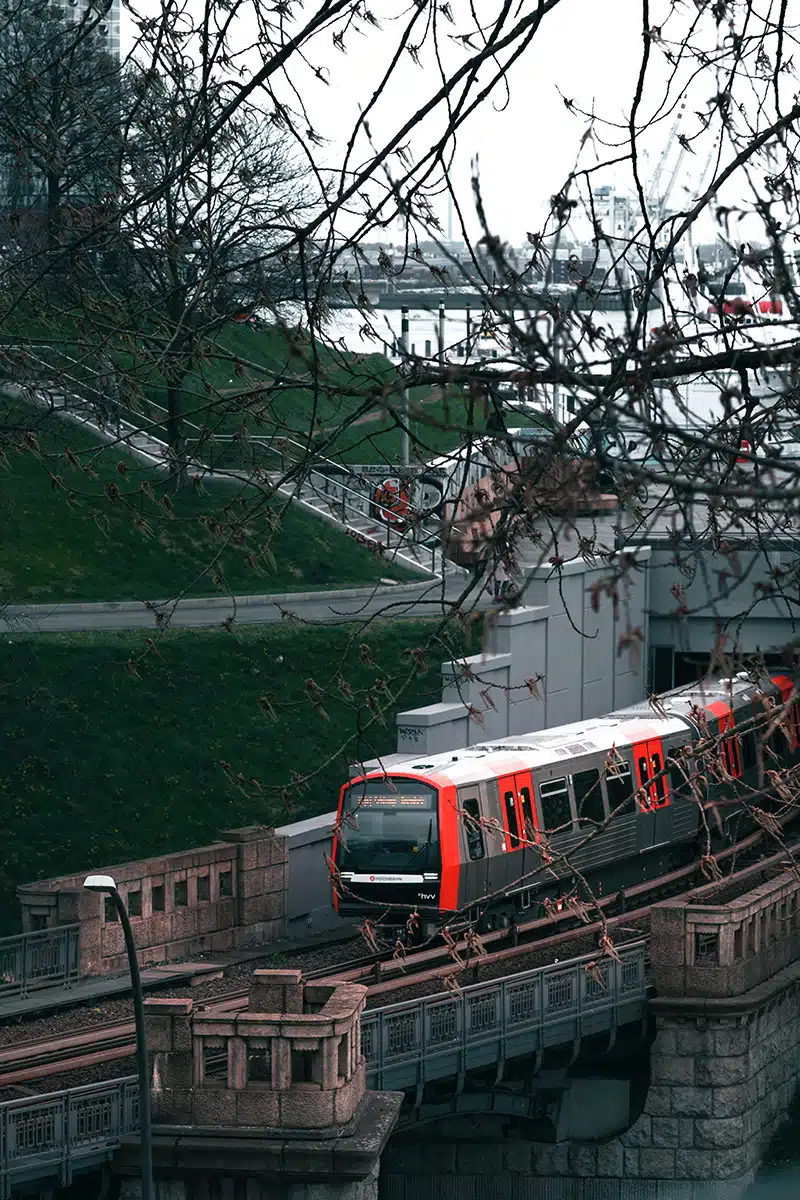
(412, 600)
(406, 600)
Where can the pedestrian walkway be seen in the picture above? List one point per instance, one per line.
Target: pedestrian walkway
(178, 974)
(103, 987)
(408, 601)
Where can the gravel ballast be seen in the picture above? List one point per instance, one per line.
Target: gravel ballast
(525, 961)
(101, 1012)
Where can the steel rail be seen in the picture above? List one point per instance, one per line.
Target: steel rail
(38, 1058)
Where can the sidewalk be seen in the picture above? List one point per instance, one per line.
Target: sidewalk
(178, 974)
(401, 600)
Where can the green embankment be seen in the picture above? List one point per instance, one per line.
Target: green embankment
(263, 380)
(86, 521)
(113, 747)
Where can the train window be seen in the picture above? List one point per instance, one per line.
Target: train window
(556, 811)
(775, 749)
(619, 786)
(476, 846)
(659, 781)
(747, 745)
(588, 796)
(678, 767)
(646, 797)
(527, 811)
(512, 819)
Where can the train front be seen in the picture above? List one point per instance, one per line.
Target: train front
(387, 852)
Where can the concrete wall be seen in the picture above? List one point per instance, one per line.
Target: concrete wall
(569, 654)
(214, 898)
(308, 902)
(744, 603)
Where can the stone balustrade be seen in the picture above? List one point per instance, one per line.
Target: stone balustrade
(270, 1102)
(210, 899)
(291, 1061)
(725, 949)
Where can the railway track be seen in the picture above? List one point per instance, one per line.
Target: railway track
(35, 1059)
(384, 974)
(26, 1061)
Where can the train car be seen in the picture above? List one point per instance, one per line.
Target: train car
(484, 832)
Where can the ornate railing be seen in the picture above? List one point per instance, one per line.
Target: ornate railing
(441, 1035)
(45, 958)
(50, 1136)
(47, 1136)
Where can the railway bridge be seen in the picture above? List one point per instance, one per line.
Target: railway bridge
(666, 1064)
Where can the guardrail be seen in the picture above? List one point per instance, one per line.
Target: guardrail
(404, 1045)
(411, 1043)
(51, 1136)
(345, 505)
(41, 959)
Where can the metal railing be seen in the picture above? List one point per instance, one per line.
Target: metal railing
(53, 1135)
(314, 489)
(445, 1034)
(49, 1136)
(44, 958)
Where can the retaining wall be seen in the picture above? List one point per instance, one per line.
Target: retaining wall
(215, 898)
(567, 654)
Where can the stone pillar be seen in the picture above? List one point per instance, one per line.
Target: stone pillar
(261, 1189)
(262, 881)
(257, 1099)
(276, 992)
(169, 1039)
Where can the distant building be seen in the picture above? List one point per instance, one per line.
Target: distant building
(23, 182)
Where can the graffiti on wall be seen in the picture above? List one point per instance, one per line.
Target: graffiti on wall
(391, 502)
(398, 499)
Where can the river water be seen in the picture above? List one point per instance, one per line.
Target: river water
(699, 400)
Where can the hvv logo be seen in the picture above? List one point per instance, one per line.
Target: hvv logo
(427, 895)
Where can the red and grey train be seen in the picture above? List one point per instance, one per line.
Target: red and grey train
(461, 833)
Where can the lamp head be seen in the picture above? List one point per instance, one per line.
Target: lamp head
(99, 883)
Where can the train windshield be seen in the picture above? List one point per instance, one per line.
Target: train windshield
(389, 825)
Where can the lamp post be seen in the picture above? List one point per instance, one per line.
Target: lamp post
(104, 883)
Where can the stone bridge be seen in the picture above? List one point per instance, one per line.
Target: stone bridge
(723, 1070)
(510, 1025)
(538, 1085)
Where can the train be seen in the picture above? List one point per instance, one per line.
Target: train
(483, 834)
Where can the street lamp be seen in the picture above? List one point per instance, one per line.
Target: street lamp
(104, 883)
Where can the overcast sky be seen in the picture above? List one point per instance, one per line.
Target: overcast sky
(590, 49)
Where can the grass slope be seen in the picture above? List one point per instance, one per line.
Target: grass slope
(111, 748)
(233, 388)
(97, 534)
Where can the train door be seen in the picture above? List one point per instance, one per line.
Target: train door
(502, 865)
(473, 847)
(519, 824)
(790, 734)
(654, 818)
